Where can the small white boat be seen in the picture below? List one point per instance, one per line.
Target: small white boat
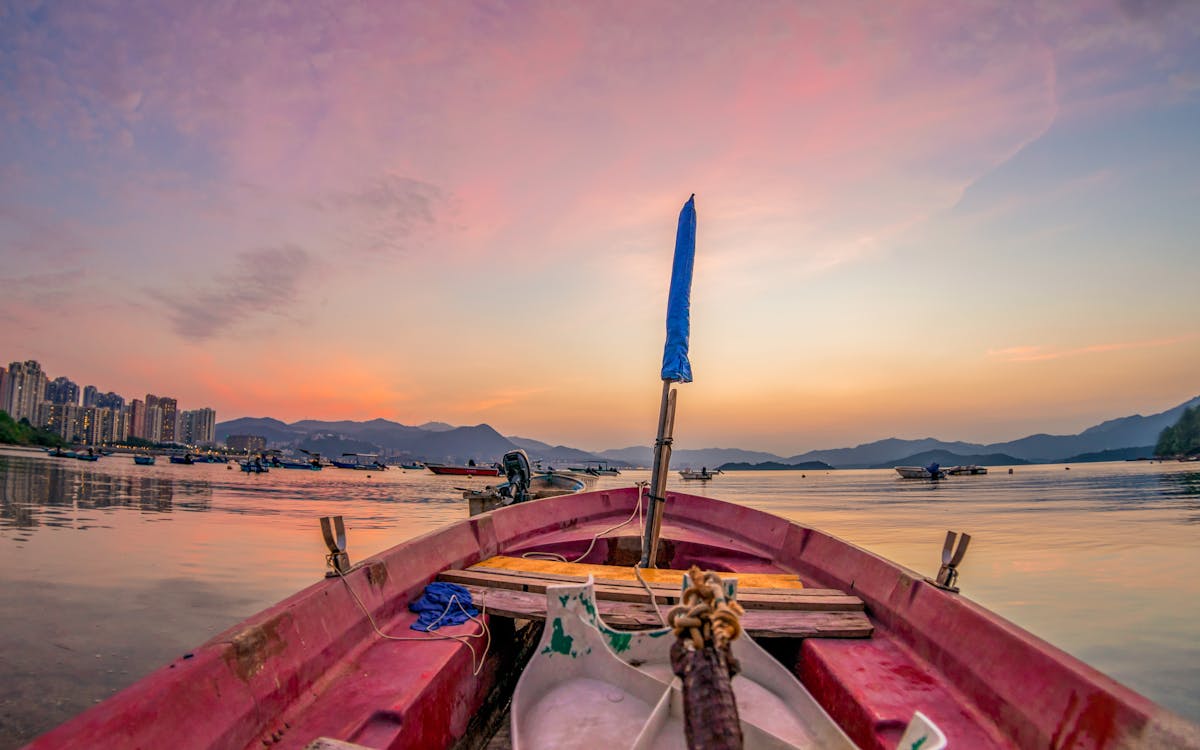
(589, 480)
(919, 472)
(703, 475)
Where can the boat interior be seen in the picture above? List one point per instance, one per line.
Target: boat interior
(870, 643)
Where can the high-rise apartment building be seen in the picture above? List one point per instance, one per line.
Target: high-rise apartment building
(3, 387)
(197, 426)
(93, 397)
(24, 389)
(153, 426)
(170, 417)
(137, 418)
(62, 390)
(113, 425)
(61, 419)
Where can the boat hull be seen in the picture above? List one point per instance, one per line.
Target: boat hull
(463, 471)
(311, 665)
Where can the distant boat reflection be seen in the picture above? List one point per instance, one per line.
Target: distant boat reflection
(39, 493)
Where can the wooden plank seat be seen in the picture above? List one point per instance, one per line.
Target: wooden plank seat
(788, 611)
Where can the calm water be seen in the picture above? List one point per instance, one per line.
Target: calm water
(109, 570)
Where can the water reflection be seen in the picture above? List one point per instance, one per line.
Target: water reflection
(41, 492)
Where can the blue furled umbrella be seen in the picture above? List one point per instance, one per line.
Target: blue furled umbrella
(675, 369)
(676, 366)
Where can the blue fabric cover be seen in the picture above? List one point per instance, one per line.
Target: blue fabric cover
(436, 601)
(676, 366)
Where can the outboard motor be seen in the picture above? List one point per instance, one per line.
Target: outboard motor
(517, 469)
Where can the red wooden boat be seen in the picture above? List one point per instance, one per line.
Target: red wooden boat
(313, 666)
(873, 643)
(464, 471)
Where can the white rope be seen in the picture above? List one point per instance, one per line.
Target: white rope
(463, 639)
(637, 572)
(637, 511)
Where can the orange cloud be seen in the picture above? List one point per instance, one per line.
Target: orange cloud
(1042, 353)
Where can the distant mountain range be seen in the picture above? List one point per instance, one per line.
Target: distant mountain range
(1115, 439)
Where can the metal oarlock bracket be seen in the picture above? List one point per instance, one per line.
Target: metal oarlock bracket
(947, 576)
(334, 532)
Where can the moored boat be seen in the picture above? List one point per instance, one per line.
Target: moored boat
(144, 460)
(469, 470)
(596, 467)
(186, 459)
(703, 475)
(359, 462)
(414, 466)
(254, 466)
(920, 472)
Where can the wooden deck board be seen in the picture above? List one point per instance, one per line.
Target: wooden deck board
(637, 616)
(759, 599)
(616, 572)
(667, 588)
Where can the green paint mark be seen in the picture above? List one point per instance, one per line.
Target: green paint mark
(917, 745)
(589, 605)
(619, 641)
(657, 633)
(560, 642)
(564, 599)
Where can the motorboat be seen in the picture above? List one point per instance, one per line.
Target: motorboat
(522, 485)
(920, 472)
(255, 466)
(359, 462)
(596, 467)
(703, 475)
(469, 470)
(144, 460)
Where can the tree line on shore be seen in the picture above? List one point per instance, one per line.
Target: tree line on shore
(1181, 438)
(13, 432)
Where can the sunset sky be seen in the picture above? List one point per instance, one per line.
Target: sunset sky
(970, 221)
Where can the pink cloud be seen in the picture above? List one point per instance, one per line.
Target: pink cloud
(1043, 353)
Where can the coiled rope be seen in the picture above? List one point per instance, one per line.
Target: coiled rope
(705, 624)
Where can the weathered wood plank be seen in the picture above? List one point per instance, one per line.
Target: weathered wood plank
(667, 588)
(635, 616)
(625, 573)
(783, 599)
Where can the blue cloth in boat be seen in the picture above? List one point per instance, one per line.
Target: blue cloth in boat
(435, 606)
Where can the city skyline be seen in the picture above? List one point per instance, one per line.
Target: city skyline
(88, 416)
(964, 222)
